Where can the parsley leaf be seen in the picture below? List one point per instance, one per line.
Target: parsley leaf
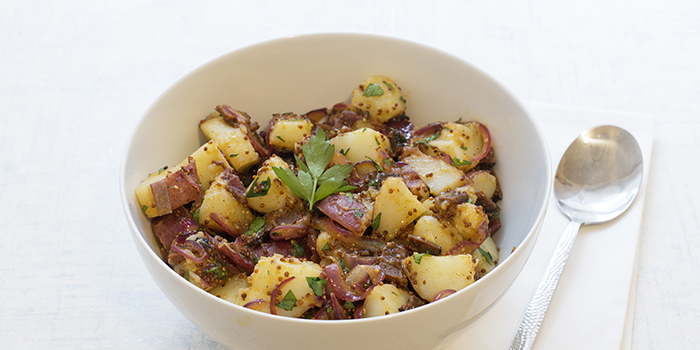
(258, 190)
(373, 90)
(430, 138)
(298, 250)
(256, 226)
(487, 256)
(460, 162)
(418, 257)
(316, 284)
(289, 301)
(376, 221)
(314, 182)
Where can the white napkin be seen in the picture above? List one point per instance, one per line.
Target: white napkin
(593, 307)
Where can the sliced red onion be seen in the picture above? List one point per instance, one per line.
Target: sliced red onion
(256, 304)
(327, 225)
(191, 176)
(311, 243)
(281, 247)
(288, 232)
(234, 185)
(463, 247)
(224, 224)
(351, 214)
(494, 225)
(358, 310)
(444, 293)
(403, 127)
(275, 294)
(338, 311)
(161, 197)
(486, 137)
(340, 288)
(169, 226)
(238, 259)
(353, 260)
(362, 275)
(259, 144)
(317, 115)
(427, 131)
(190, 249)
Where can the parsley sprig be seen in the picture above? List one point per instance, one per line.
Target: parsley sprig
(313, 181)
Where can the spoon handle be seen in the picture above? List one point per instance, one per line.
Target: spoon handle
(530, 325)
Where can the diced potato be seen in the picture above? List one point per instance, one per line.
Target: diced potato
(270, 272)
(231, 291)
(217, 199)
(234, 142)
(384, 299)
(436, 232)
(287, 132)
(360, 144)
(278, 195)
(179, 187)
(458, 141)
(437, 273)
(470, 222)
(210, 163)
(381, 97)
(145, 194)
(486, 263)
(462, 142)
(324, 243)
(437, 175)
(398, 207)
(483, 181)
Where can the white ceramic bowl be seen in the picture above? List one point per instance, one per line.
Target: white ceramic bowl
(303, 73)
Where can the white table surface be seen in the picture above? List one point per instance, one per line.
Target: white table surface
(75, 76)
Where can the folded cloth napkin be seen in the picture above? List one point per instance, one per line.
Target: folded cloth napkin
(593, 306)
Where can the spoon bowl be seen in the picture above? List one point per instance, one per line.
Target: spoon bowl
(599, 175)
(598, 178)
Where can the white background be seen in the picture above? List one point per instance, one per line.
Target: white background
(75, 76)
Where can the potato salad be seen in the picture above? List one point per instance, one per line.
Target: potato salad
(338, 213)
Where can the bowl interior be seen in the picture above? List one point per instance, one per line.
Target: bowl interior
(299, 74)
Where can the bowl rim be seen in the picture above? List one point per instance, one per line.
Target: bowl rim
(139, 239)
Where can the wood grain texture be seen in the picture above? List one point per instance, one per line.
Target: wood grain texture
(77, 75)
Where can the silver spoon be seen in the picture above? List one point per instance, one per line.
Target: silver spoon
(597, 180)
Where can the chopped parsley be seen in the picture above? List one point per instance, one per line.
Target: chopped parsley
(460, 162)
(298, 250)
(429, 138)
(358, 213)
(316, 284)
(281, 139)
(376, 221)
(373, 90)
(388, 85)
(144, 208)
(232, 155)
(259, 190)
(289, 301)
(418, 257)
(487, 256)
(255, 227)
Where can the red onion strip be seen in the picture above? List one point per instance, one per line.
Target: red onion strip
(288, 232)
(190, 249)
(444, 293)
(340, 288)
(275, 293)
